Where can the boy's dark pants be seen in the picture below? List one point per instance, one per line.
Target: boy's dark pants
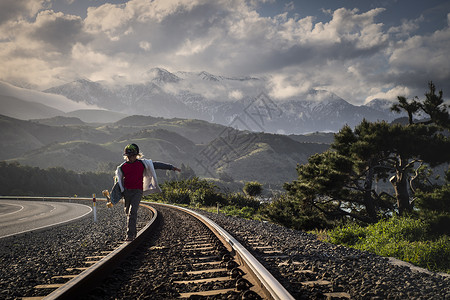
(132, 200)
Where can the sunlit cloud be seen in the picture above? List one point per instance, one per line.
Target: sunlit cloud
(392, 94)
(236, 95)
(350, 52)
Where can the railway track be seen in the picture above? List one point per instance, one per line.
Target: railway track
(207, 262)
(179, 256)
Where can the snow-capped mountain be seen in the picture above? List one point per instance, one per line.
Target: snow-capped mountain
(383, 106)
(163, 76)
(241, 102)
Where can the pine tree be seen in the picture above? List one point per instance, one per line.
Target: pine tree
(410, 107)
(340, 181)
(434, 106)
(252, 188)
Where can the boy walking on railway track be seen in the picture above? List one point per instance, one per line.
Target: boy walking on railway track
(136, 178)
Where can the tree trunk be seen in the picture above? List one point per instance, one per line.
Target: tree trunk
(368, 199)
(400, 184)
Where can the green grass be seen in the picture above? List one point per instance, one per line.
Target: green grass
(244, 212)
(406, 239)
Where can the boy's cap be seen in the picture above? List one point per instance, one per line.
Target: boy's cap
(131, 149)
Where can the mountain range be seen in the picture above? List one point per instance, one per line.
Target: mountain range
(240, 102)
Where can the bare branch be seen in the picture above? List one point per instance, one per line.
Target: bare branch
(414, 177)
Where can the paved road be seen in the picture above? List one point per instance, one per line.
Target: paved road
(18, 216)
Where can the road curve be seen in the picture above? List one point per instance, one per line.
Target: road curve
(18, 216)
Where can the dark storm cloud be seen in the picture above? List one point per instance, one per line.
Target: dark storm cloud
(58, 31)
(11, 10)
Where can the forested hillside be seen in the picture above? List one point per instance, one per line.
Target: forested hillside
(31, 181)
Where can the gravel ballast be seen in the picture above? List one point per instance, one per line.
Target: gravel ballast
(30, 259)
(33, 258)
(360, 274)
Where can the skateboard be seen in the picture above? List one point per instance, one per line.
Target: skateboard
(113, 197)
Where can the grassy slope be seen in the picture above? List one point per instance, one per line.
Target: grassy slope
(87, 147)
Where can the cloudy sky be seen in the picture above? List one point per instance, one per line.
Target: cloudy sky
(359, 50)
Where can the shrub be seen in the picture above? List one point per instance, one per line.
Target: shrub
(190, 191)
(206, 197)
(400, 228)
(348, 235)
(241, 201)
(253, 188)
(286, 211)
(177, 196)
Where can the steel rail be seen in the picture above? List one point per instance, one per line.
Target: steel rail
(85, 280)
(271, 286)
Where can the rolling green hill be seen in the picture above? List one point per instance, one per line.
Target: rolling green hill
(261, 156)
(79, 156)
(207, 148)
(60, 121)
(96, 115)
(198, 131)
(316, 137)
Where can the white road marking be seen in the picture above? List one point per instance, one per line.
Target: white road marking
(13, 212)
(49, 225)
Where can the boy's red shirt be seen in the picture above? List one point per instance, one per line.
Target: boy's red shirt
(133, 175)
